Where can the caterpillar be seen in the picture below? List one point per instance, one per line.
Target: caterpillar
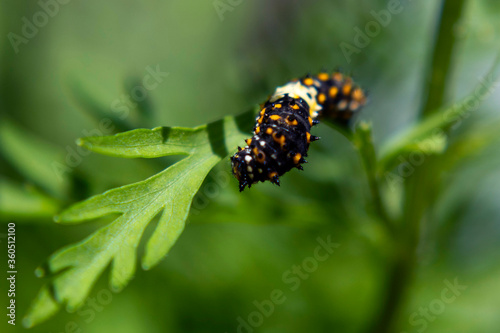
(282, 132)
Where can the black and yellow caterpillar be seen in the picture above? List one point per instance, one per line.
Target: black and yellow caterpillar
(282, 131)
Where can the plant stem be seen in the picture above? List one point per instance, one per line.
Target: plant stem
(363, 139)
(438, 74)
(403, 264)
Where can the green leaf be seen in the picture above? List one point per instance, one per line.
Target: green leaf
(433, 142)
(21, 201)
(96, 110)
(429, 136)
(472, 143)
(33, 158)
(75, 268)
(145, 143)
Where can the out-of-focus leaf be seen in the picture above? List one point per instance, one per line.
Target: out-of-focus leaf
(144, 105)
(96, 111)
(35, 159)
(20, 202)
(429, 136)
(470, 144)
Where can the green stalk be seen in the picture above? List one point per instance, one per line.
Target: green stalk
(403, 263)
(439, 71)
(363, 139)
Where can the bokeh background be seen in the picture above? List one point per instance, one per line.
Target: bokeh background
(81, 65)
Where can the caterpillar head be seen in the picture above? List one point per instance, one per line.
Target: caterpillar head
(249, 166)
(243, 166)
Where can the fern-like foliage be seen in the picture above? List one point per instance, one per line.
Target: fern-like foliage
(74, 270)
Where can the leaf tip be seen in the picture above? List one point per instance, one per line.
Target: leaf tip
(71, 308)
(39, 272)
(148, 261)
(27, 323)
(84, 143)
(116, 288)
(365, 125)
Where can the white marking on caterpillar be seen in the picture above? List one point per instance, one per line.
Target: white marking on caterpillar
(299, 90)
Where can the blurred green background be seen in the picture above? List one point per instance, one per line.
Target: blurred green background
(81, 65)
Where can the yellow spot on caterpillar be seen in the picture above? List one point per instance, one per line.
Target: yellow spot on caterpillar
(308, 135)
(321, 98)
(357, 94)
(295, 107)
(262, 112)
(310, 121)
(280, 139)
(347, 89)
(323, 76)
(257, 130)
(291, 123)
(333, 92)
(259, 156)
(248, 141)
(273, 174)
(296, 158)
(261, 119)
(269, 130)
(337, 76)
(275, 117)
(278, 106)
(353, 105)
(308, 81)
(342, 105)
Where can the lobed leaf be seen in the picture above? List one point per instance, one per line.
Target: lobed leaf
(146, 143)
(75, 268)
